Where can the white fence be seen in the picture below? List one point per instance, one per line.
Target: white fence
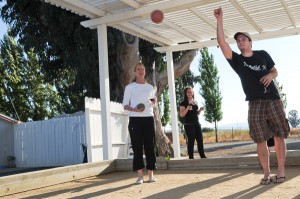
(55, 142)
(58, 142)
(119, 130)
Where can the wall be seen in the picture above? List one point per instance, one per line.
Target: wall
(6, 141)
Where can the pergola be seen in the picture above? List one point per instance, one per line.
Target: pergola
(187, 24)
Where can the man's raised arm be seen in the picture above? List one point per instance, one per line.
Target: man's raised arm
(226, 50)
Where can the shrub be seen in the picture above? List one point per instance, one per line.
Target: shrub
(205, 130)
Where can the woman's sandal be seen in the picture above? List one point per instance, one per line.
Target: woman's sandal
(279, 179)
(265, 181)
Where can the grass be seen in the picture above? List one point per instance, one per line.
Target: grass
(229, 136)
(295, 132)
(226, 136)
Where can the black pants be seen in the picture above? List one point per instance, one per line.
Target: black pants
(193, 132)
(142, 134)
(271, 142)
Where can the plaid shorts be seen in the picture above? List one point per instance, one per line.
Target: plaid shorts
(267, 119)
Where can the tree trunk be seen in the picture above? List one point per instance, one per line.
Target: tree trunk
(162, 141)
(128, 56)
(216, 131)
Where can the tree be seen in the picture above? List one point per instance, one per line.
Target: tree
(24, 93)
(281, 93)
(65, 47)
(165, 108)
(67, 50)
(294, 118)
(209, 89)
(12, 91)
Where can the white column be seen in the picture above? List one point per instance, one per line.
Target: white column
(104, 91)
(173, 105)
(88, 132)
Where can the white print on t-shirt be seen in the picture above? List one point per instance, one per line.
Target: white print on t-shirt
(256, 67)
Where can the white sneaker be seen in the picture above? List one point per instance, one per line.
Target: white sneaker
(139, 181)
(152, 179)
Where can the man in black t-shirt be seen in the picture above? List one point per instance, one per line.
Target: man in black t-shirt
(266, 115)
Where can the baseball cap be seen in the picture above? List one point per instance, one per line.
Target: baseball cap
(242, 33)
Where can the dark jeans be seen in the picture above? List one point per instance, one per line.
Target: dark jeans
(142, 135)
(193, 132)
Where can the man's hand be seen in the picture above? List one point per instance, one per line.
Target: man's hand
(218, 13)
(267, 79)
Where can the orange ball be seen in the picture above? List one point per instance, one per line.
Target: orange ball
(157, 16)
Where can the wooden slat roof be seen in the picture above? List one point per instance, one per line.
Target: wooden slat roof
(190, 24)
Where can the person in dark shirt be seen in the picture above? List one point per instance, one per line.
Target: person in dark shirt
(189, 110)
(266, 115)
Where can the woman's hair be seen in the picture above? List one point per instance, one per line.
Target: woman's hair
(137, 65)
(185, 98)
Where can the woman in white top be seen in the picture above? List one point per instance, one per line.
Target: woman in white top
(139, 99)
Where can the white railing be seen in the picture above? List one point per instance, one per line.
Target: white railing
(58, 142)
(119, 130)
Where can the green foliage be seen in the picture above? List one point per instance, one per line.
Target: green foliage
(24, 93)
(281, 93)
(210, 87)
(294, 118)
(149, 56)
(64, 46)
(67, 50)
(165, 108)
(206, 130)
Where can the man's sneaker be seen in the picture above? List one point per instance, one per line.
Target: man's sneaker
(152, 179)
(139, 181)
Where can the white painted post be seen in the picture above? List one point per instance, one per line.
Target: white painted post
(104, 91)
(88, 131)
(171, 83)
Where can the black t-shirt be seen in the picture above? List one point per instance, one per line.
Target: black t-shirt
(191, 116)
(251, 70)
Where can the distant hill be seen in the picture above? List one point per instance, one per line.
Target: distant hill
(235, 126)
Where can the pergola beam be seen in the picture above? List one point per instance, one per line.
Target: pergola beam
(209, 43)
(146, 10)
(210, 22)
(245, 15)
(131, 3)
(191, 36)
(139, 31)
(79, 7)
(287, 10)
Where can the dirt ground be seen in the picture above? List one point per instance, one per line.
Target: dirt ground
(173, 184)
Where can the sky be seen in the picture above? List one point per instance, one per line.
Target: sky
(285, 52)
